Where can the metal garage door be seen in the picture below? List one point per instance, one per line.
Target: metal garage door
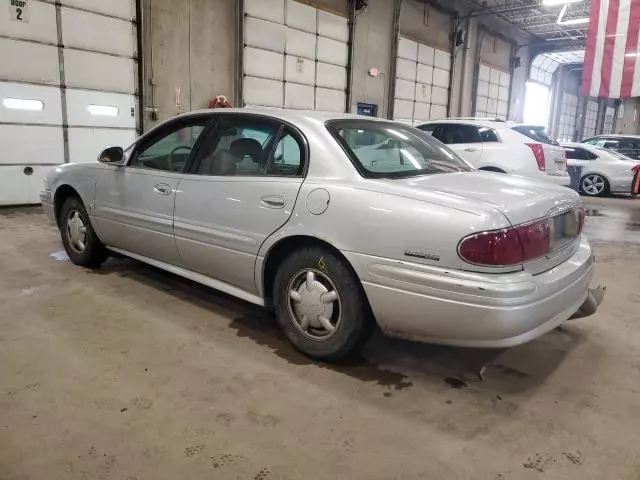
(492, 99)
(568, 118)
(68, 81)
(295, 56)
(590, 119)
(422, 82)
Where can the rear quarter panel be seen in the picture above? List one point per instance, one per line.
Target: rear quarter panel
(381, 226)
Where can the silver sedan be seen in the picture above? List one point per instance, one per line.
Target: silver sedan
(338, 223)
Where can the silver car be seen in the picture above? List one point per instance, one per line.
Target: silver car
(337, 223)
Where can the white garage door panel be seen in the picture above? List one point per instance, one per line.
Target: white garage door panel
(420, 112)
(260, 91)
(332, 51)
(51, 113)
(481, 104)
(333, 26)
(483, 88)
(41, 25)
(439, 95)
(301, 16)
(405, 90)
(503, 94)
(425, 54)
(85, 144)
(300, 43)
(406, 69)
(331, 76)
(403, 109)
(268, 9)
(423, 92)
(81, 102)
(125, 9)
(18, 188)
(494, 91)
(438, 112)
(492, 105)
(29, 62)
(298, 96)
(330, 100)
(494, 76)
(407, 49)
(96, 32)
(442, 60)
(300, 70)
(95, 70)
(263, 34)
(29, 144)
(425, 74)
(502, 108)
(263, 63)
(440, 78)
(484, 73)
(504, 79)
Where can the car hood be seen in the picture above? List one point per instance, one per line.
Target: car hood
(517, 198)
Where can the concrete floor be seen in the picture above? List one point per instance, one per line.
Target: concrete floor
(130, 373)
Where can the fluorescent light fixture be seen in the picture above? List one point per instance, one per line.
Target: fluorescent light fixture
(573, 21)
(551, 3)
(22, 104)
(103, 110)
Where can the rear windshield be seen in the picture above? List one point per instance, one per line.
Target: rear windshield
(393, 150)
(536, 133)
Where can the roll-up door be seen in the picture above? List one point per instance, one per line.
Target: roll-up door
(492, 99)
(422, 82)
(295, 56)
(68, 81)
(609, 116)
(590, 119)
(568, 118)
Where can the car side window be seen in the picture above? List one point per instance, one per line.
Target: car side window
(287, 158)
(238, 146)
(488, 135)
(429, 128)
(454, 133)
(170, 150)
(574, 153)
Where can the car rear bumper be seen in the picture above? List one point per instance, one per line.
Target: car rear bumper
(564, 180)
(431, 304)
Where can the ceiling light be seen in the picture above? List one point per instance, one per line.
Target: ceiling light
(551, 3)
(22, 104)
(573, 21)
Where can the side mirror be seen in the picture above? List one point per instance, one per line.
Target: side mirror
(112, 155)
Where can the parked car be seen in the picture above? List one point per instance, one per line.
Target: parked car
(505, 147)
(628, 145)
(336, 222)
(603, 171)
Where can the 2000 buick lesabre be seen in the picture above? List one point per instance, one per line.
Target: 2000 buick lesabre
(336, 222)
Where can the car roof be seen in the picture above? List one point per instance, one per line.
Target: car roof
(485, 122)
(614, 135)
(289, 115)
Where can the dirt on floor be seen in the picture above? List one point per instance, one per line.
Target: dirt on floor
(130, 373)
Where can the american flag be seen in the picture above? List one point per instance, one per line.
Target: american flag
(612, 53)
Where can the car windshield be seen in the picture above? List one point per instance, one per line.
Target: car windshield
(393, 150)
(536, 133)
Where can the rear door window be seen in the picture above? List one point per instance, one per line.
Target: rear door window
(576, 153)
(457, 133)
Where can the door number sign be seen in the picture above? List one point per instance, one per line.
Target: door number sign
(19, 10)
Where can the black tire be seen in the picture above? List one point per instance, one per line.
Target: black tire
(356, 323)
(94, 252)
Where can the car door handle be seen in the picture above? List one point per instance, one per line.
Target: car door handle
(470, 149)
(163, 189)
(273, 201)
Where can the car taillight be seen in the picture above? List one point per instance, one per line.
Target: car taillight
(538, 152)
(635, 168)
(509, 246)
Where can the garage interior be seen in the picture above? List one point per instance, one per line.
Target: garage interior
(128, 372)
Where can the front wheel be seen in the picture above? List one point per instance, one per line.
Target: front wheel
(594, 185)
(78, 237)
(320, 304)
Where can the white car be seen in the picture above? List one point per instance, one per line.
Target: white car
(603, 171)
(505, 147)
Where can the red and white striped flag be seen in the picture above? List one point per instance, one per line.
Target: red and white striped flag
(612, 53)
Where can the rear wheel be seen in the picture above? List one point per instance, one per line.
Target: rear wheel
(320, 304)
(594, 185)
(78, 237)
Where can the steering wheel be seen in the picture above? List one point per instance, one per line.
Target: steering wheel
(174, 151)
